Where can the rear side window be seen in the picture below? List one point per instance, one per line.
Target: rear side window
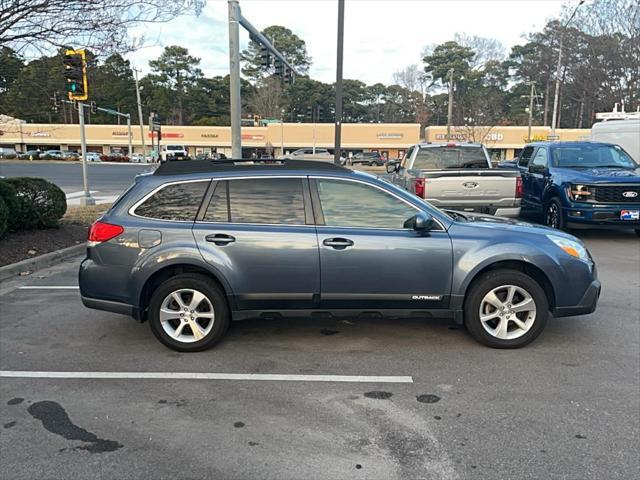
(258, 200)
(178, 202)
(525, 156)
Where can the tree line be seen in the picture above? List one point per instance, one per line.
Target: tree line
(600, 67)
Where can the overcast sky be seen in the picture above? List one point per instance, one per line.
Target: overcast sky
(381, 36)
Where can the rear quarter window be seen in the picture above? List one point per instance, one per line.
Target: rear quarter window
(178, 202)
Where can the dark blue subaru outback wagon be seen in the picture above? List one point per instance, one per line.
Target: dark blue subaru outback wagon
(199, 243)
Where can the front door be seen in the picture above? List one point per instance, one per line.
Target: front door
(368, 260)
(259, 232)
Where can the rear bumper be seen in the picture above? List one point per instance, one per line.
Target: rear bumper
(111, 306)
(586, 305)
(509, 212)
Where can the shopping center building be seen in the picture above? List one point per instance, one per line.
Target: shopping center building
(390, 139)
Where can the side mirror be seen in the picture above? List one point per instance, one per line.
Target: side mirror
(421, 222)
(393, 166)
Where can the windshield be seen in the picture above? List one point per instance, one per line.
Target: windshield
(591, 156)
(440, 158)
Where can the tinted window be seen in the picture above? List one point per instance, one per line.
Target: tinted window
(174, 202)
(439, 158)
(525, 156)
(258, 200)
(351, 204)
(541, 158)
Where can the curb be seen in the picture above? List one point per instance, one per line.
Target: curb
(41, 261)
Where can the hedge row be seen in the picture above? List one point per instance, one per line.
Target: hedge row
(28, 203)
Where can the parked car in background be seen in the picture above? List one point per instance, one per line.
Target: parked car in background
(174, 152)
(321, 154)
(368, 159)
(625, 133)
(8, 152)
(54, 154)
(70, 155)
(196, 244)
(458, 176)
(30, 155)
(140, 158)
(580, 184)
(93, 157)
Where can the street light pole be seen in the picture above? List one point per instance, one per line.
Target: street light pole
(140, 121)
(450, 105)
(530, 112)
(87, 199)
(234, 78)
(338, 119)
(558, 68)
(130, 151)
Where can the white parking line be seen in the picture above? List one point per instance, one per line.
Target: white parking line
(48, 287)
(208, 376)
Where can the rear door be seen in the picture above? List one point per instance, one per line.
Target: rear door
(259, 233)
(368, 260)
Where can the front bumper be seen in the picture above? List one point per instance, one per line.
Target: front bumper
(585, 215)
(586, 305)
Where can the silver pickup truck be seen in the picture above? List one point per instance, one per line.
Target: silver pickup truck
(458, 176)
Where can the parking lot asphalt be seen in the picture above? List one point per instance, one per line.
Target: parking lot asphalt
(565, 407)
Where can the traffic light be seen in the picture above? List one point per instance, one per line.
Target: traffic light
(319, 113)
(310, 113)
(279, 67)
(265, 57)
(75, 74)
(94, 108)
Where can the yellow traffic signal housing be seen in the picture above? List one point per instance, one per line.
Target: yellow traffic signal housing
(75, 74)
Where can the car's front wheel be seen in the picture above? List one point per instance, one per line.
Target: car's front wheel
(505, 309)
(188, 313)
(553, 214)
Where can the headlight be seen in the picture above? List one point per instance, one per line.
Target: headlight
(575, 249)
(580, 193)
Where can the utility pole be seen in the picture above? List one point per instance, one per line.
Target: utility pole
(530, 111)
(282, 132)
(130, 151)
(450, 105)
(87, 199)
(140, 121)
(558, 68)
(234, 78)
(338, 119)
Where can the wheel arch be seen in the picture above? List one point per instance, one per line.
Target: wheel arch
(167, 271)
(519, 265)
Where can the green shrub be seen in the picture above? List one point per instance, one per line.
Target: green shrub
(41, 204)
(4, 215)
(9, 196)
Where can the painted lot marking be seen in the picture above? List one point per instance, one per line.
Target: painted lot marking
(48, 287)
(208, 376)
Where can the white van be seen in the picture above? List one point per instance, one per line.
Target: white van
(625, 133)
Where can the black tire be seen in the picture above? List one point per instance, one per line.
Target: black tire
(485, 284)
(553, 214)
(637, 230)
(212, 292)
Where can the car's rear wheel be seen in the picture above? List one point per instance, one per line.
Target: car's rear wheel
(553, 214)
(188, 313)
(505, 309)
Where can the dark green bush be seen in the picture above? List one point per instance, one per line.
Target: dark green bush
(10, 198)
(41, 204)
(4, 215)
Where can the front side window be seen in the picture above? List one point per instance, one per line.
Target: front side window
(354, 204)
(257, 200)
(179, 201)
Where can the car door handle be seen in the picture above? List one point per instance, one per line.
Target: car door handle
(220, 239)
(338, 243)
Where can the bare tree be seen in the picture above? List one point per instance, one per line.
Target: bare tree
(99, 25)
(486, 49)
(410, 78)
(268, 98)
(474, 133)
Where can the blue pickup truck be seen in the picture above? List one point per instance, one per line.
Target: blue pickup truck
(580, 184)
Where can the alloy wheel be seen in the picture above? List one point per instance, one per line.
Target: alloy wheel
(553, 215)
(507, 312)
(187, 315)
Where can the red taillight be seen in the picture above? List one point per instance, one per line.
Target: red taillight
(419, 187)
(519, 187)
(103, 231)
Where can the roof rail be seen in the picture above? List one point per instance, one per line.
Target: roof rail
(181, 167)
